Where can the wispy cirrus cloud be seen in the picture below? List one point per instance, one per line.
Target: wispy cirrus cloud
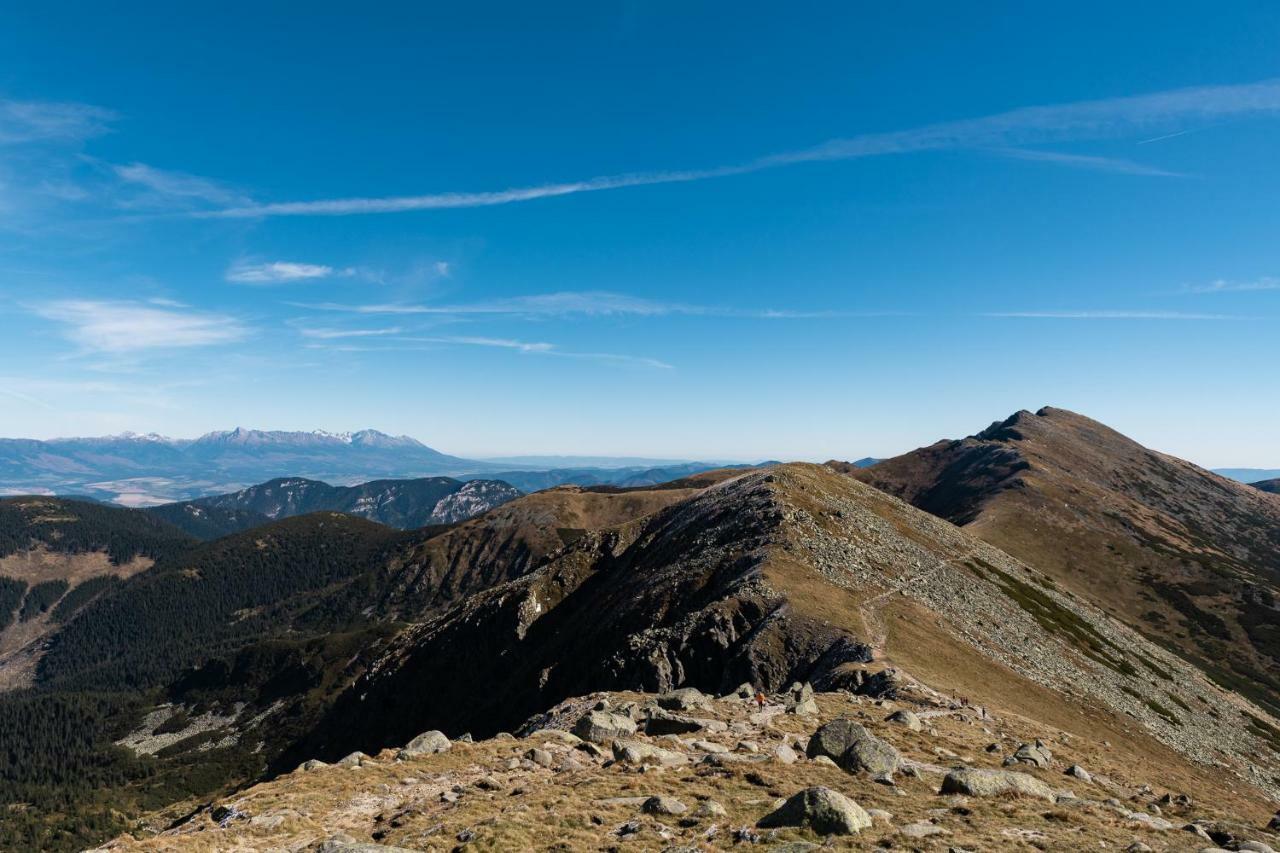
(1083, 161)
(339, 334)
(592, 303)
(542, 348)
(1109, 315)
(164, 187)
(1014, 129)
(123, 327)
(1224, 286)
(42, 121)
(281, 272)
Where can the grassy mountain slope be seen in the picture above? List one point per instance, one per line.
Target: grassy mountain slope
(1189, 558)
(796, 573)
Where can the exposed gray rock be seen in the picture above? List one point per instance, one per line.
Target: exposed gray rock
(710, 808)
(312, 764)
(636, 752)
(906, 718)
(799, 699)
(823, 810)
(922, 829)
(1150, 821)
(685, 699)
(540, 757)
(989, 783)
(663, 806)
(354, 759)
(555, 734)
(660, 722)
(1031, 753)
(427, 743)
(1255, 847)
(1078, 772)
(854, 748)
(601, 726)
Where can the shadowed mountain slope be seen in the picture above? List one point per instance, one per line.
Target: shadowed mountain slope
(517, 537)
(1188, 557)
(1272, 486)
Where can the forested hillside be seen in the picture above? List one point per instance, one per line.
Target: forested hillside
(74, 526)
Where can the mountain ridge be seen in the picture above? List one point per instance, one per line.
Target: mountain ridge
(1186, 556)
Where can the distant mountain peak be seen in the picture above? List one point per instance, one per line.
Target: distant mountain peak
(360, 438)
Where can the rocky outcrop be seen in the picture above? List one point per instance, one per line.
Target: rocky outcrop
(991, 783)
(855, 749)
(602, 727)
(427, 743)
(823, 810)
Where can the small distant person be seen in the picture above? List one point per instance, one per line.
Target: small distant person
(760, 699)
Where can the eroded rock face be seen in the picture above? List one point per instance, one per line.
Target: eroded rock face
(991, 783)
(823, 810)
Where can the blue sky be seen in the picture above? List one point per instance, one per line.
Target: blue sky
(643, 228)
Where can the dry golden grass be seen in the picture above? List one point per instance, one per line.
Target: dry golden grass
(399, 803)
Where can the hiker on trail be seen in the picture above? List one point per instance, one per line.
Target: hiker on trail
(760, 699)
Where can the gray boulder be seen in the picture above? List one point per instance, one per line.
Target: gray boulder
(709, 808)
(663, 806)
(906, 718)
(1031, 753)
(601, 726)
(685, 699)
(991, 783)
(660, 722)
(355, 759)
(427, 743)
(637, 752)
(540, 757)
(852, 747)
(823, 810)
(1078, 772)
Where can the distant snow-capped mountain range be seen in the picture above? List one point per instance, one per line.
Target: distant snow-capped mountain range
(146, 469)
